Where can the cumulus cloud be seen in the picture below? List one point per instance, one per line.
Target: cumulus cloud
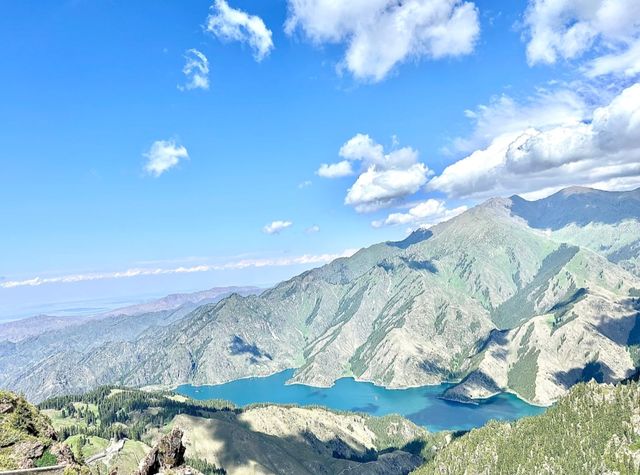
(276, 226)
(545, 108)
(567, 29)
(196, 70)
(335, 170)
(425, 213)
(375, 189)
(230, 24)
(306, 259)
(625, 63)
(603, 151)
(379, 34)
(312, 229)
(163, 155)
(383, 179)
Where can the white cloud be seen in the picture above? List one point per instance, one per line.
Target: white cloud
(603, 152)
(379, 34)
(503, 114)
(335, 170)
(163, 155)
(363, 148)
(625, 63)
(304, 184)
(306, 259)
(196, 70)
(567, 29)
(230, 24)
(426, 213)
(384, 178)
(276, 226)
(312, 229)
(375, 189)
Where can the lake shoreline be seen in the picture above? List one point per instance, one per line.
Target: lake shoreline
(423, 405)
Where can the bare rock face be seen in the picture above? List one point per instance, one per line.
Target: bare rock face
(64, 454)
(167, 454)
(30, 450)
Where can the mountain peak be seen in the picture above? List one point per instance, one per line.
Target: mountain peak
(574, 190)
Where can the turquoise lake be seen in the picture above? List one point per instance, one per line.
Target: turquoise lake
(421, 405)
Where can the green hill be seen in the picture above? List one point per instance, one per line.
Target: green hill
(594, 429)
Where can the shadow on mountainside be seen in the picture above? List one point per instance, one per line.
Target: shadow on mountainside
(495, 337)
(623, 331)
(237, 447)
(596, 370)
(413, 238)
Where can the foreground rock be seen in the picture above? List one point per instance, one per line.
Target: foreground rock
(167, 457)
(28, 440)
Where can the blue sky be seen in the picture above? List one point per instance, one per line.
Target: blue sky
(88, 87)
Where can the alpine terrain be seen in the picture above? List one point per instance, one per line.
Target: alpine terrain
(530, 297)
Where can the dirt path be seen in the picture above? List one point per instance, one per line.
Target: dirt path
(107, 453)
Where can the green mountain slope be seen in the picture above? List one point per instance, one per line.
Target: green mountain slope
(594, 429)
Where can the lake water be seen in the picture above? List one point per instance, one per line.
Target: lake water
(421, 405)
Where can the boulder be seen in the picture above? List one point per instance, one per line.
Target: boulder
(167, 454)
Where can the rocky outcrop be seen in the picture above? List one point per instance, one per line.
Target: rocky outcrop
(28, 440)
(166, 457)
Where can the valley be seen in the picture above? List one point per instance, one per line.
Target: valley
(496, 299)
(320, 237)
(377, 363)
(595, 428)
(424, 406)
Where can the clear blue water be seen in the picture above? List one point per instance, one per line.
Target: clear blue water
(421, 405)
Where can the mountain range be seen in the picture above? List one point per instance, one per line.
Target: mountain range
(524, 296)
(18, 330)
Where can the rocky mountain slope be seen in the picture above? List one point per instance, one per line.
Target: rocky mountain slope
(28, 440)
(594, 429)
(498, 297)
(175, 301)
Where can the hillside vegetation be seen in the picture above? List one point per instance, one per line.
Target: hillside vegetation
(593, 430)
(220, 438)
